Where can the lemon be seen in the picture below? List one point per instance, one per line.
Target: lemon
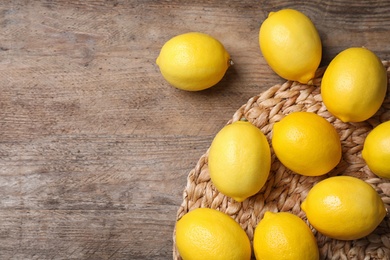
(376, 150)
(239, 160)
(284, 236)
(354, 85)
(306, 143)
(205, 233)
(291, 45)
(344, 207)
(193, 61)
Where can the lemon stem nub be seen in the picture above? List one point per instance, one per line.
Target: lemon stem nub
(230, 62)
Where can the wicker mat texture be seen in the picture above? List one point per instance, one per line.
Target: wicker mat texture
(285, 190)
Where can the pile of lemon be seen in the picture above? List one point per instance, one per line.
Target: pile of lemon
(353, 88)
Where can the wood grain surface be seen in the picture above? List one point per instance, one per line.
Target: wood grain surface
(95, 146)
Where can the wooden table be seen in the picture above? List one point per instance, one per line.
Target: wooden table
(95, 146)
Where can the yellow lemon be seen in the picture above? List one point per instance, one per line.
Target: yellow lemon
(193, 61)
(306, 143)
(291, 45)
(205, 233)
(354, 85)
(284, 236)
(239, 160)
(344, 208)
(376, 150)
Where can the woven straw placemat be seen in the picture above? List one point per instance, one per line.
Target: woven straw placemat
(285, 190)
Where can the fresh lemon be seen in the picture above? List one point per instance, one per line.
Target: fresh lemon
(239, 160)
(193, 61)
(376, 150)
(306, 143)
(291, 45)
(205, 233)
(344, 208)
(284, 236)
(354, 85)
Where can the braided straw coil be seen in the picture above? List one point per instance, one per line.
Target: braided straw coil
(285, 190)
